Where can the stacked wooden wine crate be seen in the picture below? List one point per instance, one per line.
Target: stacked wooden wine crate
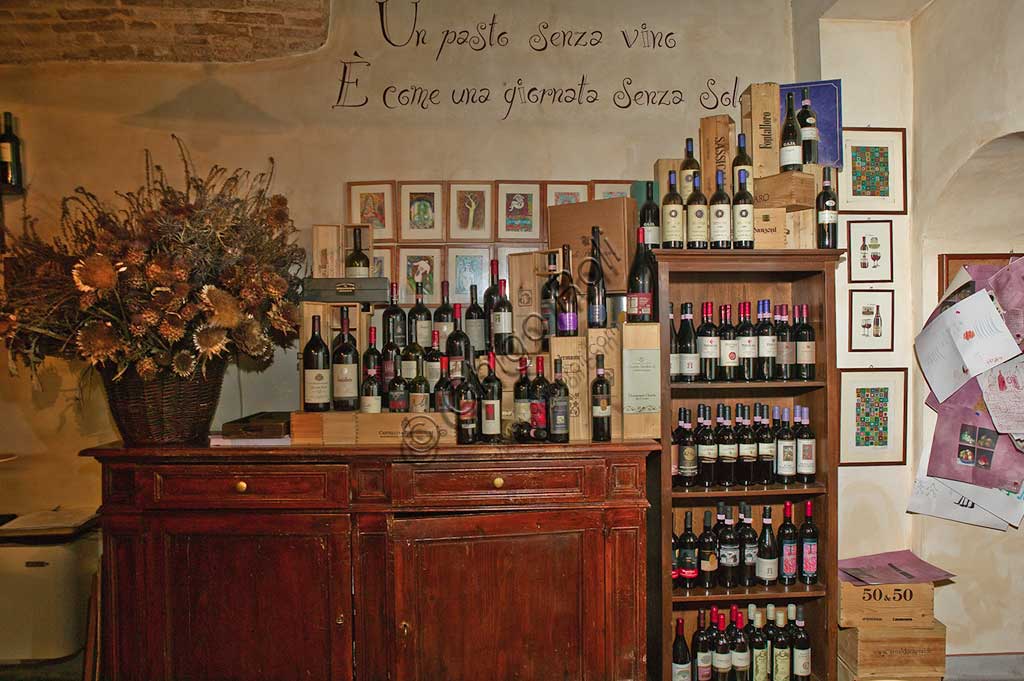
(888, 632)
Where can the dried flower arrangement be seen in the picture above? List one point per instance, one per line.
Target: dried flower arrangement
(170, 281)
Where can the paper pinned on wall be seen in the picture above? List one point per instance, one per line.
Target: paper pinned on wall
(933, 498)
(966, 447)
(1007, 285)
(1003, 388)
(1003, 504)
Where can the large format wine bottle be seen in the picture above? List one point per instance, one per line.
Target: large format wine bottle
(641, 284)
(791, 153)
(345, 370)
(475, 326)
(707, 550)
(827, 206)
(501, 321)
(707, 343)
(419, 320)
(600, 405)
(413, 352)
(682, 668)
(10, 156)
(558, 407)
(357, 263)
(548, 301)
(539, 397)
(490, 298)
(444, 316)
(597, 299)
(767, 551)
(689, 169)
(743, 214)
(809, 546)
(650, 217)
(460, 347)
(490, 410)
(673, 213)
(808, 121)
(696, 216)
(467, 404)
(316, 372)
(720, 214)
(566, 304)
(742, 163)
(395, 331)
(789, 541)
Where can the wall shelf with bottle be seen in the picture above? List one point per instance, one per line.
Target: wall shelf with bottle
(800, 280)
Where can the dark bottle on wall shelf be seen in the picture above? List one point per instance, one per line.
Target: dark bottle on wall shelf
(728, 450)
(806, 448)
(728, 345)
(558, 407)
(566, 303)
(650, 217)
(490, 298)
(808, 121)
(743, 214)
(748, 546)
(641, 284)
(767, 568)
(357, 263)
(394, 313)
(501, 321)
(696, 216)
(345, 370)
(600, 404)
(707, 343)
(444, 396)
(740, 650)
(760, 658)
(685, 449)
(803, 334)
(673, 220)
(789, 541)
(11, 178)
(316, 372)
(785, 346)
(721, 658)
(781, 649)
(746, 464)
(746, 346)
(707, 548)
(729, 558)
(767, 449)
(597, 297)
(785, 454)
(742, 163)
(701, 649)
(800, 642)
(767, 343)
(827, 207)
(720, 214)
(467, 406)
(686, 341)
(682, 667)
(688, 559)
(791, 152)
(475, 325)
(707, 451)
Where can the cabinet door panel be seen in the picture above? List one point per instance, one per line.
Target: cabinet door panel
(502, 596)
(252, 597)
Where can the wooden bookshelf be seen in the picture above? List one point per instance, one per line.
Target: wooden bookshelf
(784, 276)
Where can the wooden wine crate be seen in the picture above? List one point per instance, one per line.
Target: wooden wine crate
(770, 229)
(717, 150)
(307, 428)
(327, 260)
(760, 122)
(571, 224)
(573, 353)
(417, 431)
(506, 367)
(607, 342)
(661, 168)
(527, 273)
(791, 190)
(886, 605)
(846, 674)
(894, 652)
(641, 380)
(801, 229)
(348, 239)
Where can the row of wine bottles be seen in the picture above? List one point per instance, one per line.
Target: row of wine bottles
(731, 556)
(775, 646)
(766, 349)
(756, 450)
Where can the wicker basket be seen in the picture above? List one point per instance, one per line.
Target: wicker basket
(166, 410)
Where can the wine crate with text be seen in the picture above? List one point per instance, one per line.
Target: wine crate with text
(846, 674)
(887, 652)
(608, 342)
(717, 150)
(418, 431)
(330, 325)
(889, 605)
(790, 190)
(572, 350)
(760, 122)
(770, 229)
(571, 224)
(641, 380)
(527, 273)
(328, 261)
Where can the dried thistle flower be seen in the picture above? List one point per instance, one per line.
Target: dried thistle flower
(223, 307)
(285, 317)
(250, 339)
(172, 328)
(275, 285)
(210, 341)
(98, 342)
(183, 363)
(146, 368)
(95, 274)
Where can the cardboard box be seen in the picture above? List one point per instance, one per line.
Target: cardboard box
(348, 242)
(641, 380)
(770, 230)
(894, 652)
(845, 674)
(527, 273)
(574, 355)
(717, 150)
(791, 190)
(571, 224)
(888, 605)
(608, 342)
(661, 168)
(801, 229)
(760, 121)
(327, 260)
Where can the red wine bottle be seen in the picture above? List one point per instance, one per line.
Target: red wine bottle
(827, 206)
(809, 546)
(720, 214)
(419, 390)
(728, 554)
(371, 357)
(742, 164)
(688, 170)
(345, 370)
(393, 319)
(432, 358)
(767, 568)
(467, 404)
(444, 317)
(682, 667)
(785, 454)
(641, 284)
(398, 392)
(801, 643)
(748, 546)
(789, 542)
(566, 304)
(419, 320)
(728, 450)
(683, 444)
(746, 463)
(686, 342)
(804, 335)
(707, 343)
(728, 345)
(687, 556)
(600, 404)
(597, 297)
(548, 301)
(707, 452)
(539, 397)
(475, 326)
(740, 652)
(490, 298)
(673, 219)
(721, 658)
(460, 348)
(785, 346)
(357, 263)
(746, 345)
(316, 372)
(650, 217)
(696, 216)
(791, 153)
(767, 344)
(490, 409)
(808, 121)
(391, 356)
(371, 393)
(10, 157)
(558, 407)
(707, 549)
(701, 647)
(444, 394)
(521, 393)
(767, 449)
(501, 321)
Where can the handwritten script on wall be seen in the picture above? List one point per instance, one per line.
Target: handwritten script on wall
(411, 36)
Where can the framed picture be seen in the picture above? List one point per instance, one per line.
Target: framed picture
(504, 251)
(381, 261)
(470, 211)
(871, 320)
(873, 417)
(419, 265)
(467, 266)
(422, 206)
(827, 104)
(561, 193)
(373, 203)
(950, 264)
(610, 189)
(519, 210)
(874, 177)
(870, 248)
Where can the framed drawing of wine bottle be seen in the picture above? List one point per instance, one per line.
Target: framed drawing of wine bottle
(870, 247)
(871, 320)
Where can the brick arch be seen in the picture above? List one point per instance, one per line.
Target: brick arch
(34, 31)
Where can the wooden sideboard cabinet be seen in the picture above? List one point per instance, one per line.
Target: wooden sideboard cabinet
(523, 562)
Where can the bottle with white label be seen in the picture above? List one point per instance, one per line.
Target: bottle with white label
(743, 213)
(357, 263)
(728, 345)
(801, 645)
(721, 656)
(432, 359)
(419, 390)
(742, 163)
(600, 405)
(720, 214)
(696, 216)
(673, 220)
(316, 372)
(682, 664)
(785, 455)
(558, 407)
(689, 169)
(827, 205)
(686, 344)
(808, 121)
(791, 151)
(767, 568)
(444, 317)
(703, 642)
(806, 449)
(650, 218)
(781, 650)
(501, 321)
(370, 393)
(740, 650)
(760, 663)
(345, 370)
(707, 343)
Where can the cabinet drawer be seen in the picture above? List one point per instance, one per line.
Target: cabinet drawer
(248, 486)
(499, 483)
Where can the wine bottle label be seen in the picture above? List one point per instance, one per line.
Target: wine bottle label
(357, 272)
(400, 336)
(476, 329)
(741, 660)
(568, 321)
(806, 462)
(686, 183)
(422, 329)
(786, 352)
(728, 453)
(688, 461)
(388, 370)
(788, 560)
(721, 222)
(398, 400)
(455, 366)
(828, 217)
(560, 415)
(785, 457)
(805, 352)
(443, 329)
(639, 303)
(491, 417)
(467, 414)
(767, 568)
(601, 406)
(691, 364)
(809, 133)
(810, 557)
(729, 352)
(791, 154)
(743, 222)
(597, 315)
(548, 318)
(6, 154)
(736, 180)
(672, 228)
(767, 346)
(538, 414)
(369, 404)
(747, 347)
(766, 451)
(708, 560)
(697, 223)
(675, 364)
(760, 664)
(802, 662)
(722, 662)
(750, 554)
(521, 409)
(443, 401)
(345, 380)
(433, 370)
(501, 322)
(729, 555)
(748, 451)
(688, 563)
(682, 672)
(708, 347)
(780, 664)
(652, 233)
(419, 402)
(707, 452)
(704, 666)
(409, 369)
(674, 470)
(317, 386)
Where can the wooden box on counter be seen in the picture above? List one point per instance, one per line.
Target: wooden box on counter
(894, 652)
(846, 674)
(887, 605)
(717, 150)
(573, 352)
(759, 120)
(357, 428)
(641, 380)
(607, 342)
(571, 224)
(527, 273)
(790, 190)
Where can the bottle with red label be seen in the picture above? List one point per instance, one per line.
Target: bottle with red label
(467, 404)
(809, 546)
(641, 284)
(490, 409)
(789, 547)
(539, 397)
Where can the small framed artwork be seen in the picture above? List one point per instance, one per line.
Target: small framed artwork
(422, 206)
(470, 211)
(467, 266)
(871, 320)
(873, 417)
(874, 177)
(373, 203)
(519, 210)
(610, 189)
(870, 247)
(380, 262)
(561, 193)
(504, 251)
(419, 265)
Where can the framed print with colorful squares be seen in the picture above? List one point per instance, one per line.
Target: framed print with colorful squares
(873, 417)
(874, 177)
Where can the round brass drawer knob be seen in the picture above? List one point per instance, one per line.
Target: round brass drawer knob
(499, 483)
(241, 486)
